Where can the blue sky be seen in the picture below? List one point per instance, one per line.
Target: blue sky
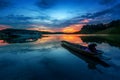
(57, 13)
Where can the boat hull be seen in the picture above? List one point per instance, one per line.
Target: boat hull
(78, 51)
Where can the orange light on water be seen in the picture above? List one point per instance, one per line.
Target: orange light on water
(45, 39)
(3, 43)
(71, 38)
(53, 38)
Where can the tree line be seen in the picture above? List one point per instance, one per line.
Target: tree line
(89, 29)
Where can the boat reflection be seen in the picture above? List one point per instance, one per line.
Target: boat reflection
(92, 62)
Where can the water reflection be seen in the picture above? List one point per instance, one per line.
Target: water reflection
(91, 62)
(79, 39)
(58, 38)
(3, 43)
(82, 39)
(11, 40)
(112, 40)
(45, 59)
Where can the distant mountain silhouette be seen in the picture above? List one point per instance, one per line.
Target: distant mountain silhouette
(17, 33)
(47, 32)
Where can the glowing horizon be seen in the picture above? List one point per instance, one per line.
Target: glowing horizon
(56, 14)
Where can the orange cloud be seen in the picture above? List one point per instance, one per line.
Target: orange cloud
(4, 27)
(72, 28)
(68, 29)
(86, 20)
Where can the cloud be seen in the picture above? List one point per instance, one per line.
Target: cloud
(97, 14)
(22, 18)
(97, 17)
(72, 28)
(85, 21)
(4, 26)
(105, 2)
(21, 21)
(17, 21)
(18, 17)
(4, 4)
(45, 4)
(113, 10)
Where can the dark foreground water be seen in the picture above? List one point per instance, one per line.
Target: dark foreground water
(46, 59)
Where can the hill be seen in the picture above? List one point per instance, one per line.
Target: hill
(15, 33)
(110, 28)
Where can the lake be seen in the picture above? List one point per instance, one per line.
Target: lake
(46, 59)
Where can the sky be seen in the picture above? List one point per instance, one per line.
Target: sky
(57, 15)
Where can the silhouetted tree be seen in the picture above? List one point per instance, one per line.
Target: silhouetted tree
(89, 29)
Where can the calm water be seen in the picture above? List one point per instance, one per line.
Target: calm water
(46, 59)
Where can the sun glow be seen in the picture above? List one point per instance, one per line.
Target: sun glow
(70, 38)
(69, 30)
(72, 28)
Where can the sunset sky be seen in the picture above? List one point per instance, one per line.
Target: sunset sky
(57, 15)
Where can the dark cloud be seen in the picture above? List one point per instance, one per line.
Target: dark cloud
(45, 4)
(94, 17)
(22, 21)
(105, 2)
(4, 4)
(22, 18)
(18, 21)
(97, 14)
(18, 17)
(44, 17)
(115, 9)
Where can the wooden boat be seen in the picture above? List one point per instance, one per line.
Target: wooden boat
(79, 51)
